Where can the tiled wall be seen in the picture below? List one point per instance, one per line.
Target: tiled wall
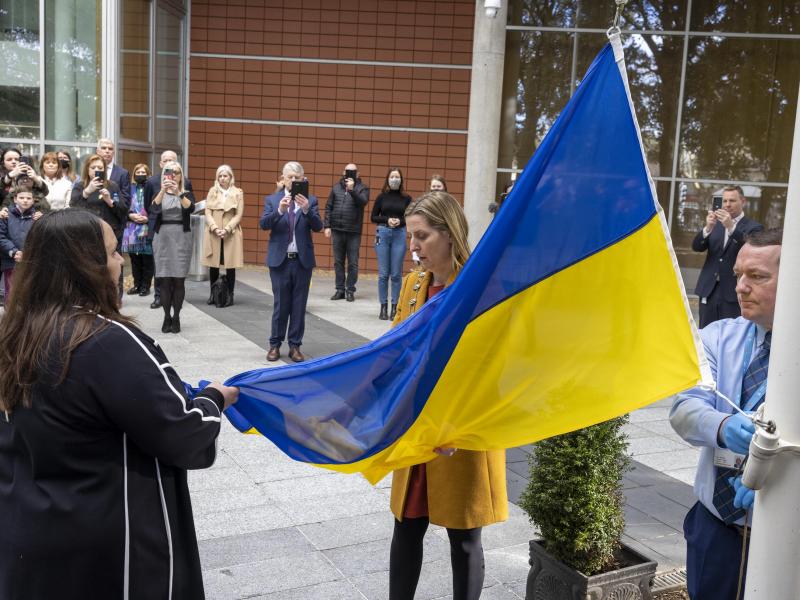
(322, 110)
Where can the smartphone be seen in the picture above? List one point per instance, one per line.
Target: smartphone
(25, 160)
(169, 174)
(101, 175)
(351, 173)
(716, 203)
(299, 188)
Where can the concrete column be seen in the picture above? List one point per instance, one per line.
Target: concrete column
(485, 97)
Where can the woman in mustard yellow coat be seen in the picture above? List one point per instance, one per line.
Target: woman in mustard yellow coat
(461, 490)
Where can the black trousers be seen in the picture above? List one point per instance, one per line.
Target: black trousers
(345, 245)
(713, 555)
(142, 267)
(290, 283)
(230, 274)
(716, 308)
(405, 560)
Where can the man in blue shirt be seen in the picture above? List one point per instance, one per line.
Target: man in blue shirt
(738, 353)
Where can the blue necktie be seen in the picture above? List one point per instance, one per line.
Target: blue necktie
(724, 493)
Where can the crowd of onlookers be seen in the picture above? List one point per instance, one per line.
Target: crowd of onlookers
(149, 214)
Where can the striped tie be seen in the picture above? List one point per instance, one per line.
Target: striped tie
(724, 493)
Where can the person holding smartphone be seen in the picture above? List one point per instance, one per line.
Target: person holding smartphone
(722, 238)
(16, 169)
(290, 215)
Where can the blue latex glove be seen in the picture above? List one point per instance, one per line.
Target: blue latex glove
(744, 495)
(737, 432)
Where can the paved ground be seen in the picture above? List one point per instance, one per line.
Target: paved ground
(274, 529)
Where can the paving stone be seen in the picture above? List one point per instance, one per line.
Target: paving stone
(373, 557)
(650, 413)
(313, 487)
(517, 455)
(508, 564)
(348, 531)
(268, 576)
(325, 508)
(329, 590)
(678, 492)
(278, 470)
(232, 550)
(668, 461)
(223, 499)
(683, 475)
(652, 503)
(207, 479)
(660, 428)
(635, 431)
(238, 521)
(652, 445)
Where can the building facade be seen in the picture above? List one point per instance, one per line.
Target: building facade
(255, 83)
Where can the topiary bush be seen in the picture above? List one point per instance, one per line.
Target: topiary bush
(575, 495)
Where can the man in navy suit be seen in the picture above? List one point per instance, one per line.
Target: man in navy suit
(115, 173)
(290, 258)
(722, 238)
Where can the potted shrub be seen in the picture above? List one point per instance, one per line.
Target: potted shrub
(575, 498)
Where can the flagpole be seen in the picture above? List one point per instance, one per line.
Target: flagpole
(772, 570)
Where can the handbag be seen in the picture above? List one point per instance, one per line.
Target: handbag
(219, 292)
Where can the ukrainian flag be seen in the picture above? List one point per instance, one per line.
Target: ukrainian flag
(570, 311)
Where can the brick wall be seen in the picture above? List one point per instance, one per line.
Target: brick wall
(324, 112)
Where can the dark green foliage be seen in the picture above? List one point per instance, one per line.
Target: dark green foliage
(574, 495)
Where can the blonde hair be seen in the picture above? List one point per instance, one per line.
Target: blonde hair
(224, 169)
(176, 168)
(444, 213)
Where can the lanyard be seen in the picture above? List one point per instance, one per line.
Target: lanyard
(749, 342)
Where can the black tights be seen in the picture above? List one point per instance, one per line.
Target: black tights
(230, 276)
(405, 560)
(172, 294)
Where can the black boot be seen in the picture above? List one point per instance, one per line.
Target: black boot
(393, 313)
(210, 297)
(166, 327)
(383, 316)
(230, 299)
(176, 324)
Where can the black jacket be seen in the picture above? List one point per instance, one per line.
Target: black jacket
(151, 188)
(344, 210)
(719, 261)
(93, 477)
(116, 216)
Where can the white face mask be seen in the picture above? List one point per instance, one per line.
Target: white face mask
(394, 183)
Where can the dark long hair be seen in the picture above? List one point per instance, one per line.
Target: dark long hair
(60, 287)
(3, 171)
(386, 187)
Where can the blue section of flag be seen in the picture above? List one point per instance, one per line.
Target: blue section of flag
(585, 189)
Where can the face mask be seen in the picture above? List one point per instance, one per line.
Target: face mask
(140, 179)
(394, 183)
(64, 163)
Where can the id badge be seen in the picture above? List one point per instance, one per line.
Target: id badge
(727, 459)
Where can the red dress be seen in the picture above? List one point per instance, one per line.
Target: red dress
(417, 497)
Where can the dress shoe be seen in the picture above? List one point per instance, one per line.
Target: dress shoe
(156, 303)
(384, 316)
(166, 327)
(351, 296)
(144, 292)
(393, 313)
(176, 325)
(274, 353)
(339, 295)
(295, 354)
(133, 291)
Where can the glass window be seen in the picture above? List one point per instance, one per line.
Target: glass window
(19, 69)
(738, 122)
(169, 79)
(73, 69)
(130, 158)
(135, 71)
(78, 153)
(648, 14)
(536, 87)
(746, 16)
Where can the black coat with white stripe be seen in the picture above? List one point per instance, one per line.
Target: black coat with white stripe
(93, 492)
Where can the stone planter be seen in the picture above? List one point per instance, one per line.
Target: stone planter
(550, 579)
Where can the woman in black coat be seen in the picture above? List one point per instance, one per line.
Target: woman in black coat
(97, 194)
(96, 432)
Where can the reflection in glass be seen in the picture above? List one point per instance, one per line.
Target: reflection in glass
(72, 68)
(658, 15)
(78, 153)
(19, 69)
(130, 158)
(746, 16)
(168, 79)
(738, 121)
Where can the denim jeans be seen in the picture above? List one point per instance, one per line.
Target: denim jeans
(390, 246)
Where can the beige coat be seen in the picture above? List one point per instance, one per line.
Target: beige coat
(224, 212)
(465, 490)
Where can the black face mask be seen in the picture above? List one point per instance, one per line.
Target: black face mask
(64, 163)
(140, 179)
